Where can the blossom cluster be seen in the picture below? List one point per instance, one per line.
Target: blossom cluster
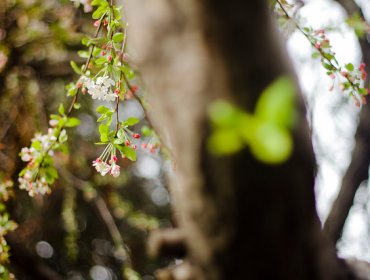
(101, 89)
(107, 162)
(40, 172)
(6, 189)
(350, 78)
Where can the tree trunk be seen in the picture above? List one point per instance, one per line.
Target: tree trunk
(239, 218)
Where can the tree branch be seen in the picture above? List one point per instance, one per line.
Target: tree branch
(358, 168)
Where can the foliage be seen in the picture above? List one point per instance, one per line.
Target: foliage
(266, 132)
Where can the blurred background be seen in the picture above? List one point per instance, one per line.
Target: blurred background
(89, 227)
(92, 227)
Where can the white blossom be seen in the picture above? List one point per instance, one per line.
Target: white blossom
(39, 186)
(107, 162)
(115, 170)
(100, 89)
(101, 166)
(28, 154)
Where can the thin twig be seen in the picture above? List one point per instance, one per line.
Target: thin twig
(337, 69)
(104, 212)
(74, 100)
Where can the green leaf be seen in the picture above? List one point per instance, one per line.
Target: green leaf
(129, 153)
(51, 174)
(315, 55)
(63, 137)
(130, 74)
(36, 145)
(99, 41)
(75, 67)
(83, 54)
(61, 109)
(276, 103)
(85, 41)
(100, 11)
(131, 121)
(328, 56)
(121, 134)
(245, 128)
(350, 67)
(118, 37)
(102, 109)
(101, 60)
(223, 114)
(119, 141)
(102, 118)
(72, 122)
(96, 51)
(362, 91)
(96, 2)
(77, 106)
(328, 66)
(72, 91)
(271, 143)
(224, 142)
(146, 131)
(54, 117)
(104, 130)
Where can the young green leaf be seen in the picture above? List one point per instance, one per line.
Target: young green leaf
(72, 122)
(61, 109)
(102, 109)
(224, 142)
(118, 37)
(276, 103)
(129, 153)
(131, 121)
(104, 130)
(350, 67)
(75, 67)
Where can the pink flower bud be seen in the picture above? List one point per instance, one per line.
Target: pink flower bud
(134, 88)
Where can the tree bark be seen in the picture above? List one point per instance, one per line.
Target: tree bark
(240, 219)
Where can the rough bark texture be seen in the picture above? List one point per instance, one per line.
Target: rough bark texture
(240, 219)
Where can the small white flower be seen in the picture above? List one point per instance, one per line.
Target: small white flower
(110, 97)
(101, 89)
(53, 123)
(115, 170)
(27, 154)
(105, 81)
(101, 166)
